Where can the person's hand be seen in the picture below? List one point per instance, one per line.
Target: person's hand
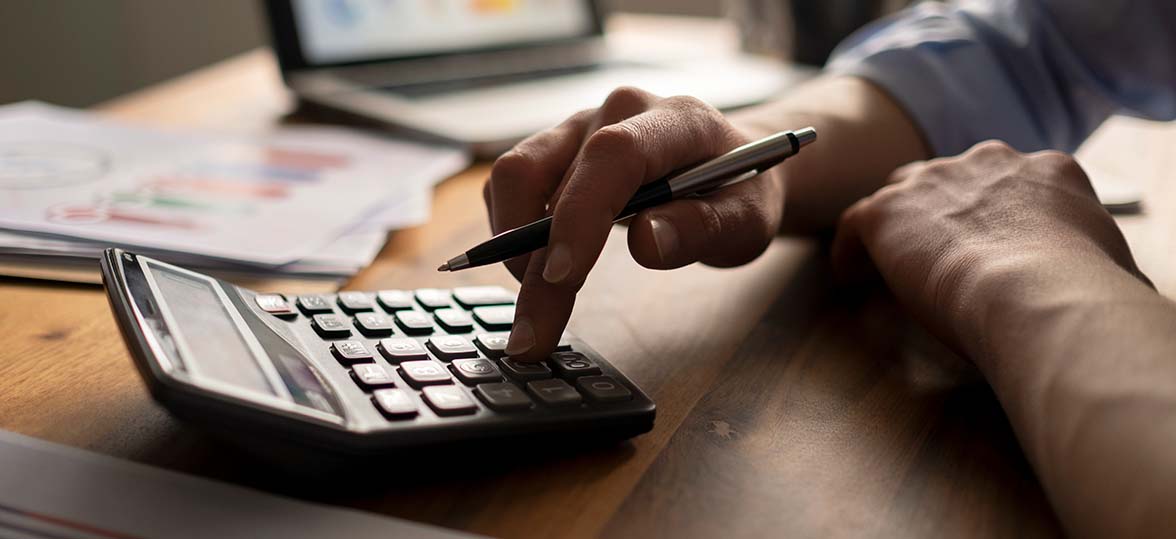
(952, 235)
(584, 171)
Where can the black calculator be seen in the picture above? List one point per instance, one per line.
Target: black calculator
(358, 372)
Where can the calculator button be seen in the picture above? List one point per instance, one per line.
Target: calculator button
(395, 403)
(433, 298)
(573, 364)
(424, 373)
(603, 389)
(497, 318)
(554, 392)
(372, 375)
(480, 296)
(414, 322)
(503, 397)
(454, 320)
(348, 352)
(314, 305)
(449, 400)
(525, 371)
(492, 344)
(330, 326)
(565, 343)
(474, 371)
(275, 304)
(450, 347)
(354, 302)
(400, 349)
(394, 300)
(374, 324)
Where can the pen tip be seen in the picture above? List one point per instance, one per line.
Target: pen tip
(443, 267)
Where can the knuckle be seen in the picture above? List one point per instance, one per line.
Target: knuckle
(513, 167)
(625, 99)
(992, 147)
(612, 140)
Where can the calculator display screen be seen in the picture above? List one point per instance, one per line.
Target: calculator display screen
(216, 348)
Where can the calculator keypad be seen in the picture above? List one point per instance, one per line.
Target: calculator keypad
(446, 349)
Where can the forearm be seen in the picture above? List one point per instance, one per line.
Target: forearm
(1082, 356)
(862, 136)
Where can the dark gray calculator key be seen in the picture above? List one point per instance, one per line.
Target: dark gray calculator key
(275, 304)
(350, 352)
(503, 397)
(395, 403)
(314, 305)
(433, 298)
(497, 318)
(394, 300)
(492, 344)
(603, 389)
(398, 349)
(554, 392)
(331, 326)
(525, 371)
(450, 347)
(414, 322)
(565, 343)
(424, 373)
(480, 296)
(372, 376)
(449, 400)
(573, 364)
(476, 371)
(374, 324)
(354, 302)
(454, 320)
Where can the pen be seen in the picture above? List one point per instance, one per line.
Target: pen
(742, 163)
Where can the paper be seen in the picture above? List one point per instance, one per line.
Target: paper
(52, 491)
(278, 199)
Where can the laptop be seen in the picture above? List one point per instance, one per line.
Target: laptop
(487, 73)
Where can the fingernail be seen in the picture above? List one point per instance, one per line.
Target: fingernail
(665, 237)
(522, 338)
(559, 264)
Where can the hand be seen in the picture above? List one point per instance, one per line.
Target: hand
(584, 171)
(951, 235)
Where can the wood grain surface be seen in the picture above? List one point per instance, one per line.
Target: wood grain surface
(786, 407)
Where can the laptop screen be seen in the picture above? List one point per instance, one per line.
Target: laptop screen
(338, 31)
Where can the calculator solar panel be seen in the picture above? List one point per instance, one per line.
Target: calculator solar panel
(358, 372)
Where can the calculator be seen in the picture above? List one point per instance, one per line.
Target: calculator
(358, 372)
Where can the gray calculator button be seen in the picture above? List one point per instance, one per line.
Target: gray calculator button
(399, 349)
(394, 300)
(492, 344)
(433, 298)
(503, 397)
(573, 364)
(525, 371)
(314, 304)
(450, 347)
(480, 296)
(554, 392)
(565, 343)
(354, 302)
(374, 324)
(275, 304)
(372, 375)
(498, 318)
(349, 352)
(454, 320)
(395, 403)
(331, 326)
(474, 371)
(414, 322)
(423, 373)
(603, 389)
(449, 400)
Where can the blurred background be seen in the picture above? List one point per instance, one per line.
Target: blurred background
(78, 53)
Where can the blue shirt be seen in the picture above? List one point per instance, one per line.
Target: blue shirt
(1037, 74)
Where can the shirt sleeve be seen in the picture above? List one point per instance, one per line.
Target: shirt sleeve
(1038, 74)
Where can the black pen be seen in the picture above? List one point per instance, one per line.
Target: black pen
(742, 163)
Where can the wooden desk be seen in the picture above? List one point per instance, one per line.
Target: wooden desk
(784, 409)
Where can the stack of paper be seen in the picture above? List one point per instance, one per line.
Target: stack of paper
(306, 201)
